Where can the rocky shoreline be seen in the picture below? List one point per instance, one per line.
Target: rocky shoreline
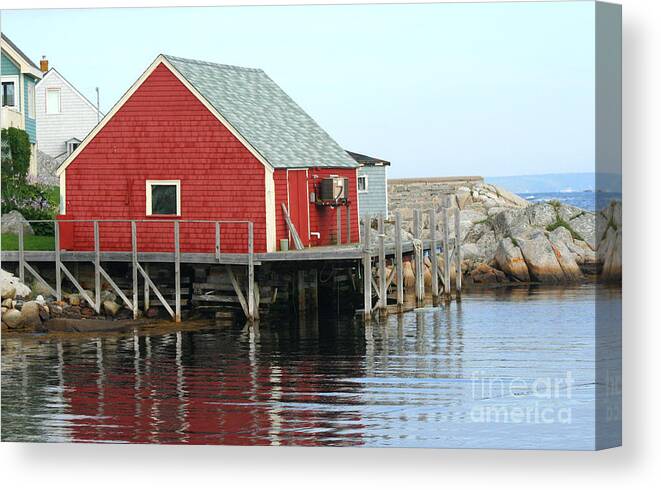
(506, 239)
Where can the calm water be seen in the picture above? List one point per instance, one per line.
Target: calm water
(462, 376)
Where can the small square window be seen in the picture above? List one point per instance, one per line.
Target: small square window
(362, 183)
(163, 198)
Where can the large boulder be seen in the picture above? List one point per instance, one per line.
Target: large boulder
(110, 307)
(13, 221)
(485, 274)
(13, 318)
(584, 225)
(610, 253)
(11, 286)
(542, 214)
(540, 258)
(565, 258)
(31, 313)
(510, 260)
(511, 222)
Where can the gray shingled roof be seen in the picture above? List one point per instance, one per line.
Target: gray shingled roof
(283, 133)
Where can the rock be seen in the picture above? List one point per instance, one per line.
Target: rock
(152, 312)
(8, 303)
(610, 253)
(511, 222)
(11, 286)
(44, 312)
(568, 213)
(543, 266)
(108, 296)
(542, 214)
(13, 318)
(40, 289)
(31, 314)
(87, 312)
(565, 258)
(55, 310)
(74, 299)
(484, 274)
(110, 307)
(585, 227)
(463, 196)
(72, 312)
(487, 246)
(40, 299)
(12, 223)
(510, 260)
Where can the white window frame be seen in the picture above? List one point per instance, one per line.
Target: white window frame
(17, 91)
(358, 181)
(32, 101)
(148, 186)
(59, 108)
(70, 148)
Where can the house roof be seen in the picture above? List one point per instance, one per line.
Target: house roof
(278, 128)
(36, 72)
(367, 160)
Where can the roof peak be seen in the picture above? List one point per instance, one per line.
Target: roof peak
(210, 63)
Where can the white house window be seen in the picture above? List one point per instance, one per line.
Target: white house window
(53, 101)
(31, 101)
(362, 183)
(163, 198)
(10, 96)
(72, 144)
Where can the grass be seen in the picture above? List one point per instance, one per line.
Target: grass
(561, 222)
(31, 242)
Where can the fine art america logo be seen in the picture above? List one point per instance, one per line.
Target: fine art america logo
(543, 400)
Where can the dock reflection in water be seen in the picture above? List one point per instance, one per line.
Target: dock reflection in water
(435, 377)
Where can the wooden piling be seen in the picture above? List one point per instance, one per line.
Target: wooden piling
(367, 269)
(457, 252)
(434, 256)
(383, 300)
(418, 254)
(146, 299)
(447, 291)
(399, 260)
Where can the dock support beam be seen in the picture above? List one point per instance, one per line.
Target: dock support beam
(21, 254)
(399, 261)
(367, 269)
(457, 252)
(434, 256)
(58, 270)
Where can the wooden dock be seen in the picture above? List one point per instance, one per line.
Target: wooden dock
(375, 269)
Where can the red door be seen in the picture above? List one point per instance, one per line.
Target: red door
(299, 210)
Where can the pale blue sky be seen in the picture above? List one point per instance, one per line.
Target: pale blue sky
(442, 89)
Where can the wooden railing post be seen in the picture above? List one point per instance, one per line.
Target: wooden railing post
(434, 256)
(218, 241)
(399, 259)
(251, 273)
(367, 269)
(457, 251)
(97, 268)
(134, 260)
(21, 253)
(58, 269)
(177, 274)
(383, 300)
(447, 289)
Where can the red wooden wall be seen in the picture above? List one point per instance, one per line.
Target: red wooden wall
(323, 219)
(164, 132)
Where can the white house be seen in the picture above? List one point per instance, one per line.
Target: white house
(372, 185)
(64, 118)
